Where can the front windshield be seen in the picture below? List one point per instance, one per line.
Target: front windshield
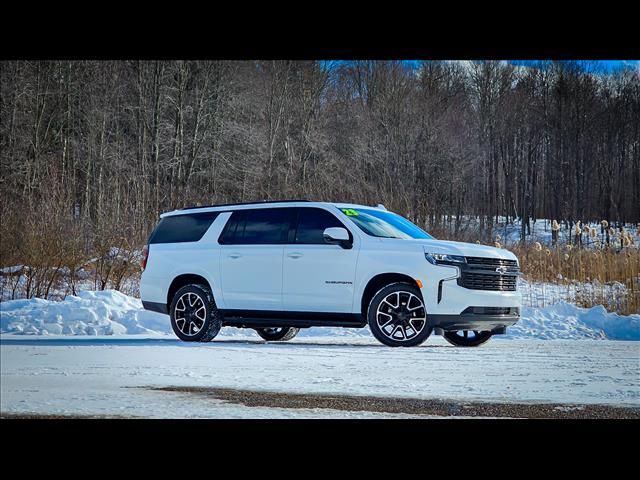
(380, 223)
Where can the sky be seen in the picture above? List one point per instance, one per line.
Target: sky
(603, 65)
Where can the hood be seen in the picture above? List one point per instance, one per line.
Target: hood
(466, 249)
(459, 248)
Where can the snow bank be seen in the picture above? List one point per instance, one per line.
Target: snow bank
(111, 312)
(567, 321)
(107, 312)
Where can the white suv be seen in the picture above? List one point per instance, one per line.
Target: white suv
(277, 267)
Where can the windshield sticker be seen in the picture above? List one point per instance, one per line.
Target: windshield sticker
(350, 212)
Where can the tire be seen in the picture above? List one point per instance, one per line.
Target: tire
(200, 326)
(397, 316)
(462, 338)
(277, 334)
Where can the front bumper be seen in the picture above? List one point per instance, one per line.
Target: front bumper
(476, 318)
(452, 299)
(451, 306)
(444, 296)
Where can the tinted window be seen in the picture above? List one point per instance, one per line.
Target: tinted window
(311, 225)
(182, 228)
(264, 226)
(229, 231)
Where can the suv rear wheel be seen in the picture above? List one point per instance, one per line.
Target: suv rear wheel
(278, 334)
(194, 315)
(467, 338)
(397, 316)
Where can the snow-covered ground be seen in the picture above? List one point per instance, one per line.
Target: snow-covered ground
(111, 375)
(97, 354)
(110, 312)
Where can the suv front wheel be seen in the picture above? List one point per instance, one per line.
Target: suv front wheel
(194, 315)
(397, 316)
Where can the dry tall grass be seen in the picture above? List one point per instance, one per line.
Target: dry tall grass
(54, 254)
(568, 265)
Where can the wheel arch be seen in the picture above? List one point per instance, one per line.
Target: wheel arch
(182, 280)
(380, 281)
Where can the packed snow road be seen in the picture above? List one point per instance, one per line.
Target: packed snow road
(158, 376)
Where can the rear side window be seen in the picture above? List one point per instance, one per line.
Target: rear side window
(264, 226)
(312, 223)
(182, 228)
(227, 237)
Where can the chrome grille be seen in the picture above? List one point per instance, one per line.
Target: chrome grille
(481, 263)
(480, 273)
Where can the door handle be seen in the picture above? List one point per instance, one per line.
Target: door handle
(234, 255)
(294, 255)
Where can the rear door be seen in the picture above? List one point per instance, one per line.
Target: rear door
(252, 245)
(317, 276)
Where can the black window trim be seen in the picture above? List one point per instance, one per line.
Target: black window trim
(294, 230)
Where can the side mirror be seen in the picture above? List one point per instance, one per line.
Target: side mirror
(337, 236)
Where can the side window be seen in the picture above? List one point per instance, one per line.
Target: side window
(182, 228)
(264, 226)
(227, 237)
(312, 223)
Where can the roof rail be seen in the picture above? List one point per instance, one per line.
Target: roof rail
(242, 203)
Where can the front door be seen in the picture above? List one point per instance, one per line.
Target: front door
(317, 276)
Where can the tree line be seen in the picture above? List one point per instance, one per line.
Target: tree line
(91, 152)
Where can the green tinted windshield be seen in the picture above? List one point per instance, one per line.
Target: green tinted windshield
(380, 223)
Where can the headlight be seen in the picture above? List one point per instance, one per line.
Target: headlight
(444, 259)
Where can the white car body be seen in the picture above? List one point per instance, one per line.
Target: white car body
(322, 282)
